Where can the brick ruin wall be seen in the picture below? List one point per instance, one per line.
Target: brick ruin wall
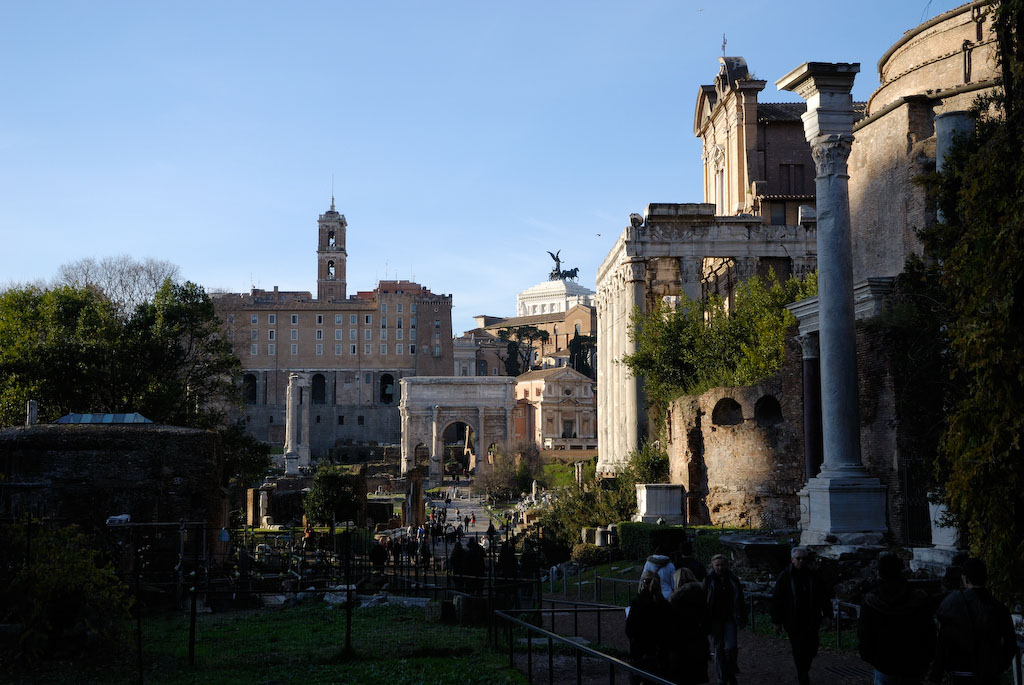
(84, 473)
(749, 473)
(747, 469)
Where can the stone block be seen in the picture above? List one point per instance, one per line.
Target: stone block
(656, 501)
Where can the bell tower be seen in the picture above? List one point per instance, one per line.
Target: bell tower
(331, 256)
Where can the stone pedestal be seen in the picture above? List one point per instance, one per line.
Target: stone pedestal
(945, 545)
(656, 501)
(291, 464)
(842, 509)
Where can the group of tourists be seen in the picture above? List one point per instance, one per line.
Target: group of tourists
(681, 610)
(441, 528)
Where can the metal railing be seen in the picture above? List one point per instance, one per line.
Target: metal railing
(579, 651)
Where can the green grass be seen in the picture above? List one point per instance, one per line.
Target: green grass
(557, 475)
(304, 644)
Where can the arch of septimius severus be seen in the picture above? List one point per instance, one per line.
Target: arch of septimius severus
(432, 403)
(669, 251)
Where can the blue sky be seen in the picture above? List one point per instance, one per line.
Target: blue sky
(464, 138)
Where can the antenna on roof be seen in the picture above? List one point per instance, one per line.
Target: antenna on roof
(724, 41)
(332, 192)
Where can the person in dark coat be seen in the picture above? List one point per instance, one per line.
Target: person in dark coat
(724, 596)
(976, 641)
(895, 630)
(687, 560)
(648, 623)
(688, 648)
(475, 564)
(457, 565)
(799, 603)
(379, 555)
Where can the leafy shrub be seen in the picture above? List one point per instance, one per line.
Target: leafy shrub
(705, 547)
(703, 344)
(600, 502)
(586, 554)
(638, 540)
(62, 597)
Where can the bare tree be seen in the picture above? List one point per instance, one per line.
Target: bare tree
(127, 282)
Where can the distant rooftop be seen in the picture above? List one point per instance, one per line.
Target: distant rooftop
(134, 417)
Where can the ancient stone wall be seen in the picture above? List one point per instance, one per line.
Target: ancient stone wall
(937, 67)
(84, 473)
(880, 425)
(739, 451)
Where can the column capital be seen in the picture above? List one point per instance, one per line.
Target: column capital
(635, 270)
(809, 345)
(830, 153)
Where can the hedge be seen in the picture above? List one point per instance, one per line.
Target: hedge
(640, 540)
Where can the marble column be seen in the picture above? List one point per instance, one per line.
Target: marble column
(633, 404)
(812, 404)
(304, 428)
(689, 276)
(948, 126)
(844, 503)
(291, 427)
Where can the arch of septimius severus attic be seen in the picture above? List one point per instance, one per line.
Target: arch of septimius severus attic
(430, 404)
(662, 254)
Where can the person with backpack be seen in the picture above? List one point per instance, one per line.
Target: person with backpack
(976, 641)
(895, 631)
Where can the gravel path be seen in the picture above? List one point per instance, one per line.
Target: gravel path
(763, 660)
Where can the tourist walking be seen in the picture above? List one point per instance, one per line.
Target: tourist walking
(687, 560)
(799, 603)
(688, 653)
(648, 622)
(660, 563)
(724, 596)
(976, 641)
(895, 630)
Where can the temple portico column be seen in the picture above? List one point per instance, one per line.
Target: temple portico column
(636, 292)
(602, 373)
(812, 403)
(844, 503)
(689, 276)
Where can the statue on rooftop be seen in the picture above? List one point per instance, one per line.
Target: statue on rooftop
(556, 273)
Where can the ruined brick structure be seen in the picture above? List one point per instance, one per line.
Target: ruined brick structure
(746, 470)
(83, 473)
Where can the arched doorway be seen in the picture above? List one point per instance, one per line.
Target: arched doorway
(421, 456)
(387, 389)
(319, 394)
(249, 389)
(459, 447)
